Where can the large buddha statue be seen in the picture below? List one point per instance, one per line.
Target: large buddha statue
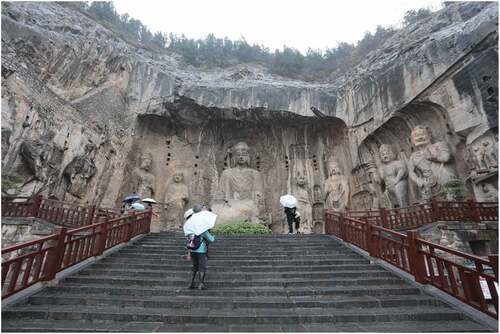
(242, 188)
(336, 188)
(430, 163)
(143, 180)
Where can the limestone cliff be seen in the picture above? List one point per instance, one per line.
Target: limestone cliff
(98, 103)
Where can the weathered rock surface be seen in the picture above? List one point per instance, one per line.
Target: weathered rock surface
(65, 73)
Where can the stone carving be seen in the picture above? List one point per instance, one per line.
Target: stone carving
(36, 153)
(241, 182)
(430, 164)
(6, 133)
(79, 171)
(304, 203)
(241, 188)
(486, 192)
(336, 188)
(318, 196)
(176, 200)
(143, 181)
(394, 174)
(484, 156)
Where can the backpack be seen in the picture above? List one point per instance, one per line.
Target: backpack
(193, 241)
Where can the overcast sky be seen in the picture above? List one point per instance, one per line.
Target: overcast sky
(304, 24)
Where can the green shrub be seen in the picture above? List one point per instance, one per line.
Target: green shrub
(240, 228)
(10, 181)
(454, 189)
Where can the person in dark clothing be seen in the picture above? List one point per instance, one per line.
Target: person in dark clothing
(292, 216)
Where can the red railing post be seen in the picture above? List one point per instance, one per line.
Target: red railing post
(343, 235)
(56, 256)
(101, 241)
(91, 214)
(150, 219)
(435, 211)
(384, 218)
(37, 202)
(130, 227)
(370, 242)
(494, 265)
(416, 258)
(474, 214)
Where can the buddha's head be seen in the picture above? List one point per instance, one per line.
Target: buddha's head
(241, 154)
(386, 153)
(420, 136)
(146, 161)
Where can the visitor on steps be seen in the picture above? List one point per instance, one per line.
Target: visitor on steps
(292, 217)
(196, 228)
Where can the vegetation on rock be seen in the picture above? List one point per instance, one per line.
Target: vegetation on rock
(454, 189)
(240, 228)
(10, 181)
(222, 52)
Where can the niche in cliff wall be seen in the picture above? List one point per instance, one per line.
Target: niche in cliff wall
(394, 171)
(239, 162)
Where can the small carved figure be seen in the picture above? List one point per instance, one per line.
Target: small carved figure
(491, 154)
(143, 181)
(176, 200)
(394, 174)
(79, 171)
(318, 196)
(304, 204)
(430, 164)
(478, 157)
(336, 188)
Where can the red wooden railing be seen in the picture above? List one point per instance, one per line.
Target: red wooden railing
(54, 211)
(39, 260)
(456, 273)
(426, 213)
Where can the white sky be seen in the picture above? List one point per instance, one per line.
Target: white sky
(318, 24)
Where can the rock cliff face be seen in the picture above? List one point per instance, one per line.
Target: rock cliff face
(81, 108)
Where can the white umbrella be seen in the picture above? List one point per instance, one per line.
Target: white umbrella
(138, 207)
(200, 222)
(288, 201)
(188, 213)
(149, 200)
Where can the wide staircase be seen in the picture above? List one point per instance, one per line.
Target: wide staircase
(290, 283)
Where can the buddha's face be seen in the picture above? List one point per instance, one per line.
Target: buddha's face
(242, 157)
(301, 180)
(420, 137)
(333, 168)
(146, 162)
(178, 177)
(386, 154)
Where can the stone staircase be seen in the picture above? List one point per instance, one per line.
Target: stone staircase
(279, 283)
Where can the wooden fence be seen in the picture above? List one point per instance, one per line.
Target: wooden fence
(426, 213)
(93, 230)
(466, 277)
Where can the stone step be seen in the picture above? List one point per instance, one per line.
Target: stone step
(108, 288)
(186, 267)
(233, 275)
(224, 303)
(148, 327)
(239, 263)
(305, 256)
(96, 279)
(234, 316)
(242, 250)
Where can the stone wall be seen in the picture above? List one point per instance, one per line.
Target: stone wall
(87, 117)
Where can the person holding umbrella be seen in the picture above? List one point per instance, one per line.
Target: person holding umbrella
(197, 236)
(289, 202)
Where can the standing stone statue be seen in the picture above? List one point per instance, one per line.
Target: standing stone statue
(430, 164)
(143, 181)
(491, 154)
(242, 189)
(304, 204)
(336, 188)
(176, 200)
(79, 171)
(394, 174)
